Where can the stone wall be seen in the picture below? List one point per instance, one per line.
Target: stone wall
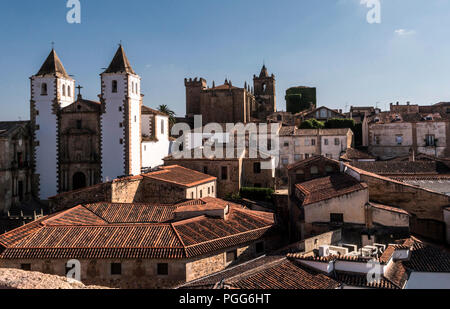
(98, 193)
(425, 206)
(214, 168)
(263, 179)
(142, 273)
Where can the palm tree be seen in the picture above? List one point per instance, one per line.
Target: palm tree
(166, 110)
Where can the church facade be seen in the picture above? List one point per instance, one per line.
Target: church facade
(77, 142)
(230, 104)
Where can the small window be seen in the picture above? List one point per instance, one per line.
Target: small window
(162, 126)
(192, 195)
(286, 144)
(224, 172)
(79, 124)
(231, 256)
(163, 269)
(313, 142)
(337, 142)
(44, 89)
(114, 86)
(69, 91)
(326, 142)
(116, 268)
(399, 139)
(314, 170)
(260, 247)
(257, 168)
(121, 125)
(135, 118)
(306, 156)
(337, 218)
(209, 191)
(120, 108)
(430, 140)
(377, 140)
(64, 90)
(297, 157)
(285, 161)
(205, 170)
(201, 193)
(26, 267)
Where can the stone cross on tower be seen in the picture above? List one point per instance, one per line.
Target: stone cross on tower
(79, 90)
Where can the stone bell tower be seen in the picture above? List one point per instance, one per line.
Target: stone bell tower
(265, 94)
(51, 90)
(121, 120)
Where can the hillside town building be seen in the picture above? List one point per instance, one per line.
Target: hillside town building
(164, 185)
(230, 104)
(141, 245)
(408, 128)
(297, 145)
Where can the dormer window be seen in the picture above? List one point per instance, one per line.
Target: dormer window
(44, 89)
(114, 86)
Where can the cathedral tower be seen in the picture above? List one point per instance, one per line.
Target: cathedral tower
(121, 120)
(51, 89)
(265, 93)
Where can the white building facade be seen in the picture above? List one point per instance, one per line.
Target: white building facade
(127, 145)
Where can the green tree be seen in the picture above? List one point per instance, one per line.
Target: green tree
(312, 124)
(166, 110)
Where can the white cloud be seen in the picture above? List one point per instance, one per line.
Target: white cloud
(404, 32)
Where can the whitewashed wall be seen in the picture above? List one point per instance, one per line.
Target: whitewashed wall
(153, 153)
(113, 153)
(46, 135)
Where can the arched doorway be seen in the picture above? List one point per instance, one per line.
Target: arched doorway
(78, 181)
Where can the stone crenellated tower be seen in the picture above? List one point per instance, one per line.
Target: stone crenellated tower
(51, 90)
(121, 120)
(194, 88)
(265, 94)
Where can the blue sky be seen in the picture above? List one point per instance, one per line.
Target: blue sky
(327, 44)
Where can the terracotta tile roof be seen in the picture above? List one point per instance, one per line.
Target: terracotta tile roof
(360, 280)
(132, 213)
(283, 274)
(294, 131)
(267, 272)
(313, 159)
(403, 168)
(325, 188)
(211, 281)
(105, 230)
(327, 259)
(145, 110)
(427, 258)
(180, 176)
(355, 154)
(389, 208)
